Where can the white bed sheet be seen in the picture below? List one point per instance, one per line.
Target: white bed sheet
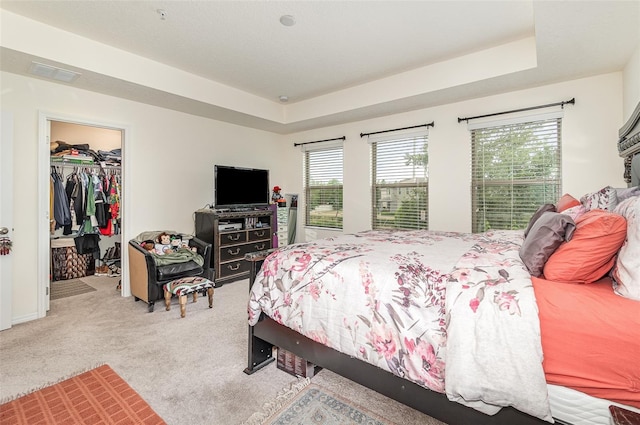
(577, 408)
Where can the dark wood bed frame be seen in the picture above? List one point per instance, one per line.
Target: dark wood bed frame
(267, 334)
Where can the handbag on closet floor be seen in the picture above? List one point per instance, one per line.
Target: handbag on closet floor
(87, 243)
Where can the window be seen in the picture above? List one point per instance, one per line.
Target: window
(323, 187)
(400, 182)
(516, 167)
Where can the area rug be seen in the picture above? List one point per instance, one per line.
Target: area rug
(99, 396)
(306, 403)
(69, 288)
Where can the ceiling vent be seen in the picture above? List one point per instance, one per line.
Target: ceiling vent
(52, 72)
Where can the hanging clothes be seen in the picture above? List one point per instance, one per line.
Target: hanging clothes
(87, 201)
(79, 198)
(90, 214)
(61, 212)
(113, 190)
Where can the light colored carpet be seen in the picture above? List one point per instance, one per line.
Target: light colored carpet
(69, 288)
(188, 370)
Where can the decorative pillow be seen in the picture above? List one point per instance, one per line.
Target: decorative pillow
(627, 192)
(626, 272)
(536, 215)
(546, 234)
(591, 252)
(566, 201)
(604, 199)
(575, 212)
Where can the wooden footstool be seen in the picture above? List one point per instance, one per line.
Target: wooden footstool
(185, 286)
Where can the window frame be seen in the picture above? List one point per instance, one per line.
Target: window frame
(418, 217)
(551, 188)
(310, 189)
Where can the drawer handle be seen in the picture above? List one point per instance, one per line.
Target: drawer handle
(234, 252)
(231, 238)
(233, 268)
(260, 234)
(260, 247)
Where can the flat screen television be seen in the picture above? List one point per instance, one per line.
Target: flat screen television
(236, 187)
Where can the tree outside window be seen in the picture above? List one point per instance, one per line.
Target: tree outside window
(323, 188)
(515, 169)
(401, 183)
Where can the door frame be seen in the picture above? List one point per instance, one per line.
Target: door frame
(44, 154)
(6, 218)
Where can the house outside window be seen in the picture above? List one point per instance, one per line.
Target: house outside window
(323, 187)
(400, 176)
(516, 168)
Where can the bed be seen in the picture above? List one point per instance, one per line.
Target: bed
(456, 326)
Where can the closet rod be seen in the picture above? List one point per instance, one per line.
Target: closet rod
(318, 141)
(96, 166)
(561, 104)
(431, 124)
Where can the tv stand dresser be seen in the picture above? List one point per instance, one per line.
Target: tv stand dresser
(233, 234)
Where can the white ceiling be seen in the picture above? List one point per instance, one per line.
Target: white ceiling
(336, 46)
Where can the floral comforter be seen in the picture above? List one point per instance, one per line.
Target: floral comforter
(411, 302)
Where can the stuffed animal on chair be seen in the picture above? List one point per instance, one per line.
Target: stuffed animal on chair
(149, 245)
(163, 244)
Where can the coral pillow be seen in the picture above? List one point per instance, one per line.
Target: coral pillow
(626, 273)
(575, 212)
(590, 254)
(567, 201)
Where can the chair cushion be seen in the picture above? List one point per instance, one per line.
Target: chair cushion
(187, 285)
(174, 271)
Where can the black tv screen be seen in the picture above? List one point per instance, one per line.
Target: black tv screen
(236, 187)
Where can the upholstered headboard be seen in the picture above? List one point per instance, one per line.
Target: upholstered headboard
(629, 148)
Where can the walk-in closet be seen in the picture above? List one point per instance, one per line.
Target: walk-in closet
(85, 208)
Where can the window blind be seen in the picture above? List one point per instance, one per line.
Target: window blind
(323, 187)
(516, 167)
(400, 189)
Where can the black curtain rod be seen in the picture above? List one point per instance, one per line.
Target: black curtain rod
(431, 124)
(572, 101)
(318, 141)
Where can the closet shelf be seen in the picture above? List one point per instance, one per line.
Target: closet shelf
(55, 160)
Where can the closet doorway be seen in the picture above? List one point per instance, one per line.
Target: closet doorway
(83, 247)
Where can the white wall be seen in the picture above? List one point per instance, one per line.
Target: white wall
(171, 158)
(589, 155)
(631, 78)
(172, 155)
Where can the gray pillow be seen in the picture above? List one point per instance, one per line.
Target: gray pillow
(627, 192)
(536, 215)
(545, 236)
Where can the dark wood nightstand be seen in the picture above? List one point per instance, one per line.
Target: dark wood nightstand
(621, 416)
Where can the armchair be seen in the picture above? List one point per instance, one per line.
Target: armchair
(147, 278)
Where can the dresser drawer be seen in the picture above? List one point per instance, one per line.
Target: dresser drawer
(258, 246)
(234, 267)
(232, 238)
(233, 252)
(259, 234)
